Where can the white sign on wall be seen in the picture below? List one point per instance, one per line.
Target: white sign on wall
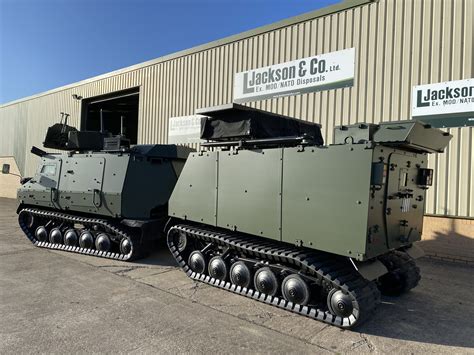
(322, 72)
(451, 103)
(184, 129)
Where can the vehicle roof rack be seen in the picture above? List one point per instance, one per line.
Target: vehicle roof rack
(238, 125)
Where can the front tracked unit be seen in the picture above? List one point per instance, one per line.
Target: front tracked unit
(100, 198)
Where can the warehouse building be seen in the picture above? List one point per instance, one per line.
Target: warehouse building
(391, 51)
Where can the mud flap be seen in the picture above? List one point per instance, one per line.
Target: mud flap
(370, 270)
(415, 251)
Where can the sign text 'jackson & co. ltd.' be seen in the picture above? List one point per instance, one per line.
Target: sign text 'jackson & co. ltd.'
(322, 72)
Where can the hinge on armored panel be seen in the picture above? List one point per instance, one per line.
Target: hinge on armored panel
(300, 148)
(97, 198)
(54, 194)
(369, 145)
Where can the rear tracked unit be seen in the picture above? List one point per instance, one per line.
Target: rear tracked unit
(266, 211)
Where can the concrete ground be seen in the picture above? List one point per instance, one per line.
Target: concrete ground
(61, 302)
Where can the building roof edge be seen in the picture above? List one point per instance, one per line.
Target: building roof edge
(339, 7)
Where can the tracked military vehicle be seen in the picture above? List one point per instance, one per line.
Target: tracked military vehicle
(100, 197)
(265, 210)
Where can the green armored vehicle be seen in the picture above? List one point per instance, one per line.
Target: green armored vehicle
(267, 211)
(101, 197)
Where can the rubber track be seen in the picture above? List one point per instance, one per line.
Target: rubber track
(108, 227)
(315, 264)
(401, 262)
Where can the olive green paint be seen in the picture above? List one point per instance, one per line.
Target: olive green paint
(132, 184)
(323, 198)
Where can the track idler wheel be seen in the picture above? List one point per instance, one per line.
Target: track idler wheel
(240, 274)
(56, 236)
(197, 262)
(295, 289)
(126, 246)
(71, 238)
(339, 303)
(103, 242)
(266, 281)
(86, 240)
(30, 220)
(41, 234)
(180, 239)
(217, 268)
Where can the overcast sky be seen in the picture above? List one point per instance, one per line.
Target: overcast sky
(48, 43)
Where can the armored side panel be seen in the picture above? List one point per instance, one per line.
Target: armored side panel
(326, 198)
(195, 197)
(317, 197)
(249, 191)
(356, 200)
(135, 184)
(82, 184)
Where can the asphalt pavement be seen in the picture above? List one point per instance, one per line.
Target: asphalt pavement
(59, 302)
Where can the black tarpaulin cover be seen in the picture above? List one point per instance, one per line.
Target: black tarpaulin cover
(57, 136)
(235, 121)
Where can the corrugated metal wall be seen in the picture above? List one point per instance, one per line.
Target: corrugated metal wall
(399, 44)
